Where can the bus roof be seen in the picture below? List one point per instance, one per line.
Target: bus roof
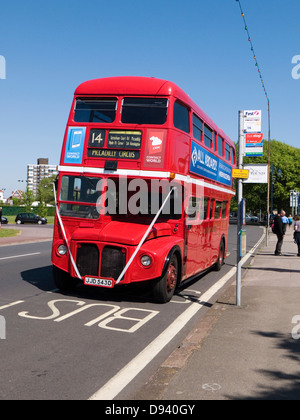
(144, 86)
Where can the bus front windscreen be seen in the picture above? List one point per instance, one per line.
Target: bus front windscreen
(79, 196)
(89, 198)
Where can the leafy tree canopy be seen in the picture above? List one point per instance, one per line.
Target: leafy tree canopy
(285, 176)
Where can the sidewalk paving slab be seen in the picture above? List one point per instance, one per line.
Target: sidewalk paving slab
(245, 352)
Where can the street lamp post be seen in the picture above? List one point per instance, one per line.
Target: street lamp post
(278, 173)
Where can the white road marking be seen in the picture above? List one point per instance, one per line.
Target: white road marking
(11, 304)
(116, 384)
(20, 256)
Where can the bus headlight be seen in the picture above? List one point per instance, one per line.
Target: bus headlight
(62, 250)
(146, 260)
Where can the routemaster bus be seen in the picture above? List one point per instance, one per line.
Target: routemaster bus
(144, 188)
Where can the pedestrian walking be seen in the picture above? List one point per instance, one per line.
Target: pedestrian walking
(285, 221)
(297, 233)
(290, 221)
(278, 229)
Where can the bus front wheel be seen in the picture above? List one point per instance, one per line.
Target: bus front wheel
(164, 288)
(62, 280)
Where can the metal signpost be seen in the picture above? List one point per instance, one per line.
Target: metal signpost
(294, 201)
(240, 210)
(250, 144)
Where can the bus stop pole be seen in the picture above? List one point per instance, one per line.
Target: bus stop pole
(240, 211)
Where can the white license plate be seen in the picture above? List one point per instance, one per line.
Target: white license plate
(92, 281)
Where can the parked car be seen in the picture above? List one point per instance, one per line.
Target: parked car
(233, 218)
(4, 220)
(252, 219)
(30, 218)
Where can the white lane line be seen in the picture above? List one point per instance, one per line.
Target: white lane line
(11, 304)
(19, 256)
(116, 384)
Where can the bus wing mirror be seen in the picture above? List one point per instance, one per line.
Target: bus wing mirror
(56, 184)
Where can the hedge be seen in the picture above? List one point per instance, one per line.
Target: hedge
(14, 210)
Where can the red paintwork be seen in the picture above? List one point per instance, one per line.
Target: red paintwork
(198, 244)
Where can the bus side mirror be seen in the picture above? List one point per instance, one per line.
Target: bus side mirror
(56, 184)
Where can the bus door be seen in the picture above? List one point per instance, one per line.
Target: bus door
(194, 257)
(206, 231)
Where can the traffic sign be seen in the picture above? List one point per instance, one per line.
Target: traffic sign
(294, 198)
(240, 173)
(254, 139)
(252, 121)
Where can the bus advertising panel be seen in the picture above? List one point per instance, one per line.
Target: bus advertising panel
(204, 163)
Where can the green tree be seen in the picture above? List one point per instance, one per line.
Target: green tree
(285, 176)
(45, 195)
(28, 199)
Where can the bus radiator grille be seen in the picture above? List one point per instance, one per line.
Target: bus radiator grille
(88, 260)
(113, 261)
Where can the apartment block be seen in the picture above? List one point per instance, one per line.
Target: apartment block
(35, 173)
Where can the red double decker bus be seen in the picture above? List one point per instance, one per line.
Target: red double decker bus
(144, 188)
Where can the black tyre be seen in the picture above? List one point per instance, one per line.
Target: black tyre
(221, 257)
(63, 281)
(165, 287)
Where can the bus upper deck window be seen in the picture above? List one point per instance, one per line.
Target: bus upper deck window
(220, 146)
(197, 127)
(144, 110)
(208, 137)
(227, 152)
(181, 117)
(98, 110)
(232, 156)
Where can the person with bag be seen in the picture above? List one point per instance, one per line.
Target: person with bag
(278, 229)
(297, 233)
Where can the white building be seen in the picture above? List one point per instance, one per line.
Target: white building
(1, 197)
(35, 173)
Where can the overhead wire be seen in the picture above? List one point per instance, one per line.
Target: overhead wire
(253, 51)
(269, 112)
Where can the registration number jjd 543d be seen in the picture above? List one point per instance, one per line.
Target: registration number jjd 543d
(92, 281)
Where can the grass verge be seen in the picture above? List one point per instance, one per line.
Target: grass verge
(7, 233)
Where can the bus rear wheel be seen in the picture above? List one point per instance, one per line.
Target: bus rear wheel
(62, 280)
(221, 257)
(165, 287)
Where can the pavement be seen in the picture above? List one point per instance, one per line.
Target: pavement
(251, 352)
(28, 234)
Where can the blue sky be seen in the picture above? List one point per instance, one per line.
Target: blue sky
(50, 47)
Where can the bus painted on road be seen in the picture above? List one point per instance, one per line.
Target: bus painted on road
(144, 188)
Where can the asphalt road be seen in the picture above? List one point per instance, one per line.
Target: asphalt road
(65, 347)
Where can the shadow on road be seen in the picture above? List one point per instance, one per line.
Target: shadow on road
(41, 278)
